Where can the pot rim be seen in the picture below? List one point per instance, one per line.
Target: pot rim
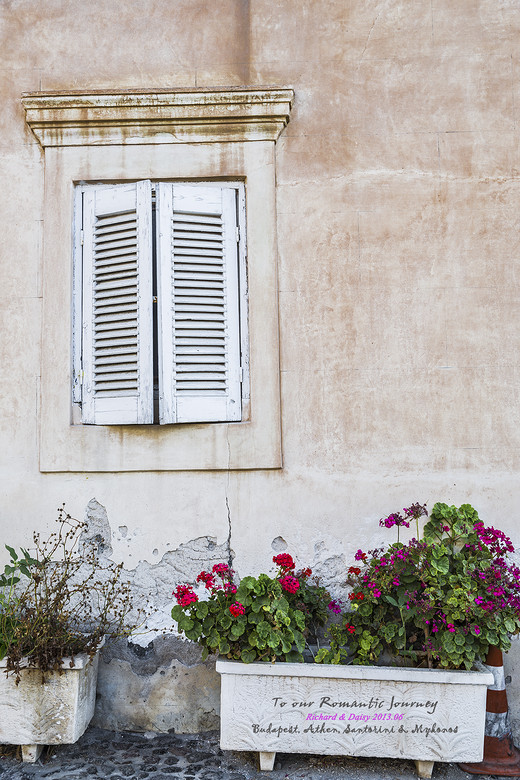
(337, 671)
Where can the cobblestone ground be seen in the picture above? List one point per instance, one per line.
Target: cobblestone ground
(126, 756)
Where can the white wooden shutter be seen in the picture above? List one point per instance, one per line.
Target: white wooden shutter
(117, 304)
(198, 296)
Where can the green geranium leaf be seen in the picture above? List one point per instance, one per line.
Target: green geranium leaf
(223, 647)
(226, 620)
(201, 609)
(322, 656)
(237, 629)
(185, 623)
(247, 655)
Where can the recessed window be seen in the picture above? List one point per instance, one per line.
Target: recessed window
(140, 140)
(160, 317)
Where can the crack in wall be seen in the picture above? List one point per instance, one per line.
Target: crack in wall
(230, 554)
(228, 510)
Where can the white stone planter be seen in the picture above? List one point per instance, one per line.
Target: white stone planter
(426, 715)
(56, 712)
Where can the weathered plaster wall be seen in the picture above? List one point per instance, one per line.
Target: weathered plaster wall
(398, 197)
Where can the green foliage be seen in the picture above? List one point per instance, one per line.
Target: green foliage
(437, 602)
(9, 619)
(61, 600)
(263, 619)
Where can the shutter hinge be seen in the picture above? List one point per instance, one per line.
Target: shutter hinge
(238, 233)
(240, 374)
(81, 236)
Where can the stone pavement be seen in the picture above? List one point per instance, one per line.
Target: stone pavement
(128, 756)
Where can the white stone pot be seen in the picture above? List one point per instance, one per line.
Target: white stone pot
(426, 715)
(56, 712)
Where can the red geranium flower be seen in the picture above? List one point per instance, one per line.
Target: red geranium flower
(290, 584)
(184, 595)
(284, 561)
(220, 568)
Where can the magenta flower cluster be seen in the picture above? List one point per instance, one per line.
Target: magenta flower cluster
(455, 590)
(412, 512)
(495, 539)
(394, 519)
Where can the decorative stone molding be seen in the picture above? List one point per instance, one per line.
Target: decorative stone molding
(106, 117)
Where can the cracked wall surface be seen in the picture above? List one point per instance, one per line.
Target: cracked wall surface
(157, 681)
(397, 250)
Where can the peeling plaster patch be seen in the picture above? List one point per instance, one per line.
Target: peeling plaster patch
(98, 533)
(157, 655)
(279, 544)
(156, 580)
(158, 681)
(178, 566)
(331, 572)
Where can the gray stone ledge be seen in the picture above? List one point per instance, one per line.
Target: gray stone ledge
(108, 117)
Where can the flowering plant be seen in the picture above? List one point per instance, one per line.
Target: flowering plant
(262, 619)
(438, 601)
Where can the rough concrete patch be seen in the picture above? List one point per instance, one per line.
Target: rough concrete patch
(157, 654)
(176, 567)
(175, 699)
(332, 573)
(279, 544)
(98, 533)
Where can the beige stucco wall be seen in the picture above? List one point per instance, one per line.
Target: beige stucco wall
(398, 197)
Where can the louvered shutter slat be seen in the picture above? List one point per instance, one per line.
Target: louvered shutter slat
(118, 385)
(198, 292)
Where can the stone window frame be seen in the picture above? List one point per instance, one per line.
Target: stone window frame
(183, 135)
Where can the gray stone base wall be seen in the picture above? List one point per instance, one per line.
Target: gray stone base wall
(163, 687)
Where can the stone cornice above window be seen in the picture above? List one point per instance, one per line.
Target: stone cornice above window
(107, 117)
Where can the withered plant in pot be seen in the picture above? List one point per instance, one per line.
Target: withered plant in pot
(58, 602)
